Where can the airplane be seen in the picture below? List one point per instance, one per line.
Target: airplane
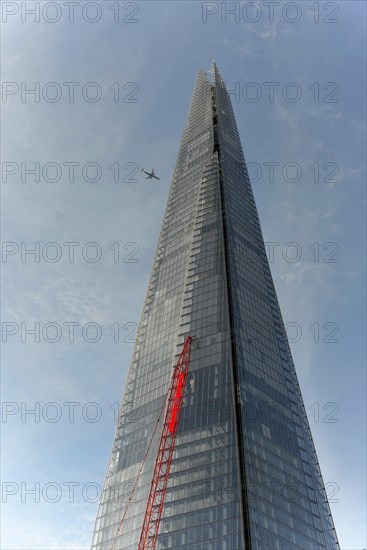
(150, 175)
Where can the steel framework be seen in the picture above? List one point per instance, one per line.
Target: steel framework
(158, 488)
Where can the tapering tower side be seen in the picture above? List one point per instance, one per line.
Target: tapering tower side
(186, 294)
(287, 501)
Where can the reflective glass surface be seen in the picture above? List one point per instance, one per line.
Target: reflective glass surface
(244, 472)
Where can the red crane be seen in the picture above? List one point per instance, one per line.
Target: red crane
(158, 488)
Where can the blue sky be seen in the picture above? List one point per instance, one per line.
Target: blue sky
(159, 55)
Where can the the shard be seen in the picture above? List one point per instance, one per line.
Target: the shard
(244, 474)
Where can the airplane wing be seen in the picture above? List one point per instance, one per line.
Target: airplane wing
(150, 175)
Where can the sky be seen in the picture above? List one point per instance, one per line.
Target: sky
(112, 86)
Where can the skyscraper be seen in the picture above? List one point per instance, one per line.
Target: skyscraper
(244, 474)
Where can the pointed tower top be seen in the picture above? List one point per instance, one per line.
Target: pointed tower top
(214, 68)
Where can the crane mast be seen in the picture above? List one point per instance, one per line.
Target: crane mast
(158, 488)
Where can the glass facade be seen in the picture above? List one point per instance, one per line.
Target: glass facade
(244, 474)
